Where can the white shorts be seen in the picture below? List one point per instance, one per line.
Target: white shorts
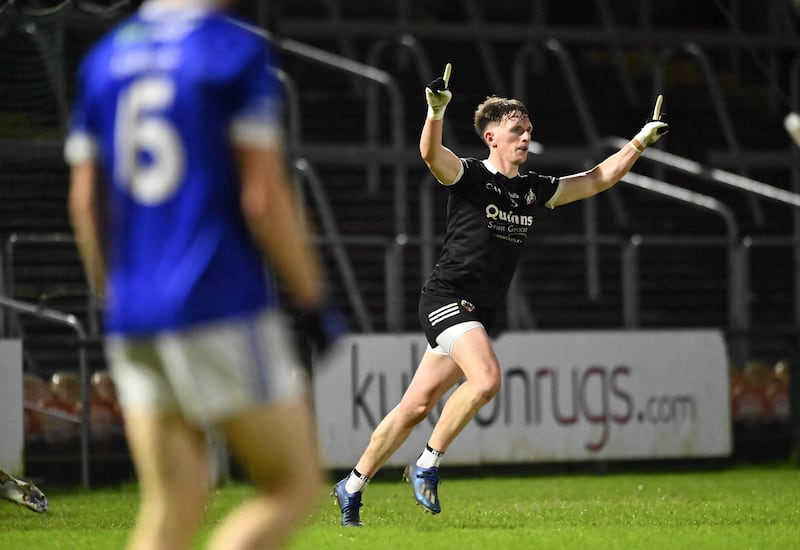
(208, 373)
(450, 335)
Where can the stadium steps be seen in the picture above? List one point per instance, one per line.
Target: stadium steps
(332, 111)
(648, 214)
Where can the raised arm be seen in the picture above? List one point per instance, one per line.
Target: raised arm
(606, 174)
(441, 161)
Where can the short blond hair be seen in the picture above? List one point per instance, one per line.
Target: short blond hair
(495, 109)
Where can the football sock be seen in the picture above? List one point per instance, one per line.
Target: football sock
(356, 482)
(429, 458)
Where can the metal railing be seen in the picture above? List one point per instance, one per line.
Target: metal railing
(68, 320)
(8, 276)
(750, 188)
(738, 315)
(334, 239)
(716, 96)
(554, 41)
(375, 77)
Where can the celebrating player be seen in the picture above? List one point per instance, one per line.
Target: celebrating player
(179, 193)
(490, 210)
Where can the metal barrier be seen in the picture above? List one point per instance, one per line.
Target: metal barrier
(71, 321)
(717, 100)
(752, 188)
(331, 230)
(373, 154)
(738, 317)
(381, 78)
(8, 277)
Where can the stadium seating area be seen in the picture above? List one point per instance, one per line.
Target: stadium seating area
(354, 74)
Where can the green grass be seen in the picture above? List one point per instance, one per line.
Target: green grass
(745, 507)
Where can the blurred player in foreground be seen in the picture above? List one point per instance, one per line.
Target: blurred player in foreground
(490, 211)
(23, 493)
(179, 197)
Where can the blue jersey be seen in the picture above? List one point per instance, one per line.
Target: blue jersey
(161, 102)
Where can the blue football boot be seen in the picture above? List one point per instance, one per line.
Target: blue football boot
(349, 504)
(425, 483)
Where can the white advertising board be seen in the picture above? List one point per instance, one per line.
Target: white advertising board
(565, 396)
(11, 424)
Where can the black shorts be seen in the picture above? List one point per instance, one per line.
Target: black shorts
(438, 313)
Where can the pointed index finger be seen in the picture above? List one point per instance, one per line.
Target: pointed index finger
(657, 109)
(446, 77)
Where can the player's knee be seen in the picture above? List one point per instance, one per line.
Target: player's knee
(487, 386)
(488, 390)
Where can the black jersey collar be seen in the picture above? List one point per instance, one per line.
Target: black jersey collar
(494, 171)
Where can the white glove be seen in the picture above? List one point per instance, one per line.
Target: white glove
(652, 130)
(792, 125)
(438, 95)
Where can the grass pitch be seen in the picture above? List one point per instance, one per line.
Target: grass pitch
(742, 507)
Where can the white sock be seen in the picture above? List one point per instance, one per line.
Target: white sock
(429, 458)
(356, 482)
